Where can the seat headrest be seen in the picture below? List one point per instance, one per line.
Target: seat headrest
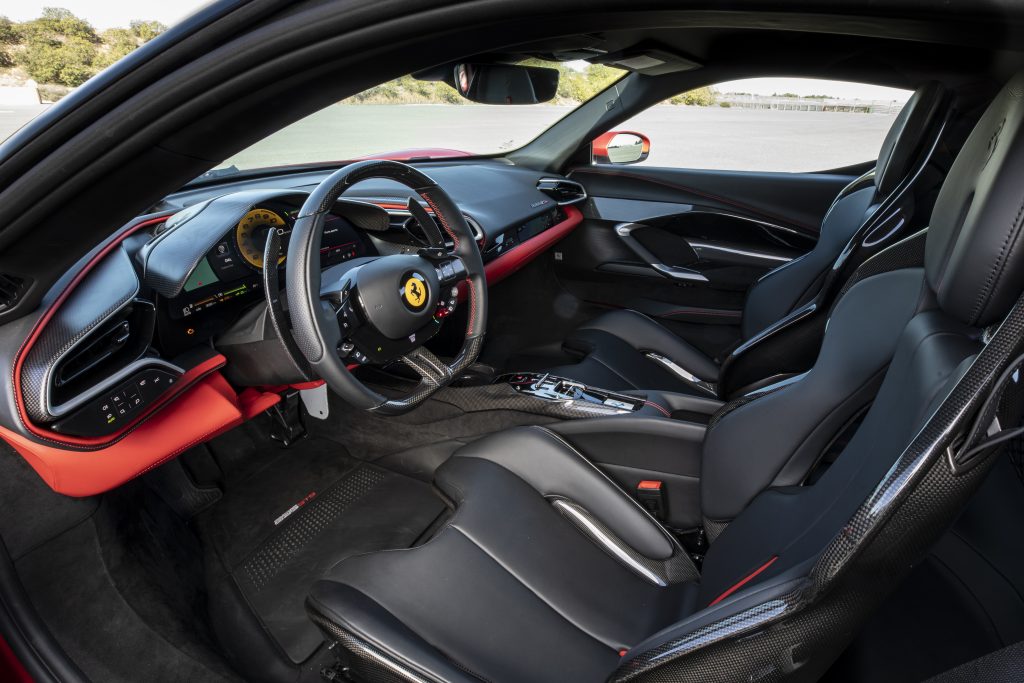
(906, 136)
(974, 258)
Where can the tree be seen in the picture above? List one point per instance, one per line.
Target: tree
(59, 47)
(146, 31)
(8, 36)
(67, 63)
(700, 97)
(57, 23)
(117, 42)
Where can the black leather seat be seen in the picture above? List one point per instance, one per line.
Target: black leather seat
(618, 350)
(546, 571)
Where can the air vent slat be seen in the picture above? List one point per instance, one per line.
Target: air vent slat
(563, 191)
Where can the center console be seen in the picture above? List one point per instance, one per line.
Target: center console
(548, 387)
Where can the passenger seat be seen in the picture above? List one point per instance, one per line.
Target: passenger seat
(625, 349)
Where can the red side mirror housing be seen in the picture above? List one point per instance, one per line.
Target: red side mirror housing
(620, 147)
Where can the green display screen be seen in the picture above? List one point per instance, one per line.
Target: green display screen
(203, 275)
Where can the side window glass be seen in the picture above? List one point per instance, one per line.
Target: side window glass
(760, 124)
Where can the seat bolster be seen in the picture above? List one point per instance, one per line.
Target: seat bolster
(644, 334)
(548, 463)
(373, 634)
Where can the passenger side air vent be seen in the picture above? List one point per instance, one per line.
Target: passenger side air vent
(12, 288)
(562, 191)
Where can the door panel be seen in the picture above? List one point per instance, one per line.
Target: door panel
(792, 200)
(684, 246)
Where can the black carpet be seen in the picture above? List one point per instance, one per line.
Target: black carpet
(288, 523)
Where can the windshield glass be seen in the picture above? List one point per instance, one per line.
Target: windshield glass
(408, 118)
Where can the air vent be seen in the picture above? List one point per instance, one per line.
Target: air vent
(12, 288)
(104, 351)
(562, 191)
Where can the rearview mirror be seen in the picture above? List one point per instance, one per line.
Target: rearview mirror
(505, 83)
(620, 147)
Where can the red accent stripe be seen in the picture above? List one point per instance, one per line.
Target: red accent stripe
(744, 581)
(517, 257)
(11, 668)
(511, 261)
(659, 408)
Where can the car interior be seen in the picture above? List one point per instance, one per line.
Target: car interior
(550, 414)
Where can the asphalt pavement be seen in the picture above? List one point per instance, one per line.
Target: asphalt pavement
(692, 137)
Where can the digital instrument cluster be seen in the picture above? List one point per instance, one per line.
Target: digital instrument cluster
(230, 274)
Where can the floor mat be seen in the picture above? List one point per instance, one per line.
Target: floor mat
(288, 524)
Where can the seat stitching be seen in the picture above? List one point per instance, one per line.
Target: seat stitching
(999, 267)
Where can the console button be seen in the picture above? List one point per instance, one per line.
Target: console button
(109, 412)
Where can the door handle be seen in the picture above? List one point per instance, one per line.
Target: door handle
(625, 233)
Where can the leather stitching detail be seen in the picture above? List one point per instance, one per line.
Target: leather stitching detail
(999, 267)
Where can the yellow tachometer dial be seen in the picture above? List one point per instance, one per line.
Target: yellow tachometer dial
(251, 235)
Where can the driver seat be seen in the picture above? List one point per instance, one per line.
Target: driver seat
(547, 571)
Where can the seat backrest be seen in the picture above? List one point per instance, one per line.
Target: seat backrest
(774, 436)
(803, 567)
(785, 288)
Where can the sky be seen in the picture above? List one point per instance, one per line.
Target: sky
(106, 13)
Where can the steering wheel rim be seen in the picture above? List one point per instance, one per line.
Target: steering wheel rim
(315, 316)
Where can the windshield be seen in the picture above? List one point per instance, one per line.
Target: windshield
(408, 118)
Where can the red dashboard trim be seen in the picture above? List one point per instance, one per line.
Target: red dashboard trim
(517, 257)
(210, 407)
(205, 405)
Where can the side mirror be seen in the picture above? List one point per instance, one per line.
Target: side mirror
(505, 83)
(620, 147)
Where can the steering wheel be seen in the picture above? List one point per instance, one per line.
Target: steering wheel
(383, 309)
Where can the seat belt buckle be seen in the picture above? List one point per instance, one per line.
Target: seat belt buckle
(651, 494)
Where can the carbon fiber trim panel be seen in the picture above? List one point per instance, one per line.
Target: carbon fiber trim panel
(713, 528)
(907, 253)
(503, 397)
(111, 286)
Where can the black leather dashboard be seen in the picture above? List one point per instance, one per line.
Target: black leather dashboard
(494, 194)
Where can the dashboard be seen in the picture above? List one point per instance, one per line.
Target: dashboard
(228, 277)
(160, 338)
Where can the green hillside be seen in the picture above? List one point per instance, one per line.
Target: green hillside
(61, 50)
